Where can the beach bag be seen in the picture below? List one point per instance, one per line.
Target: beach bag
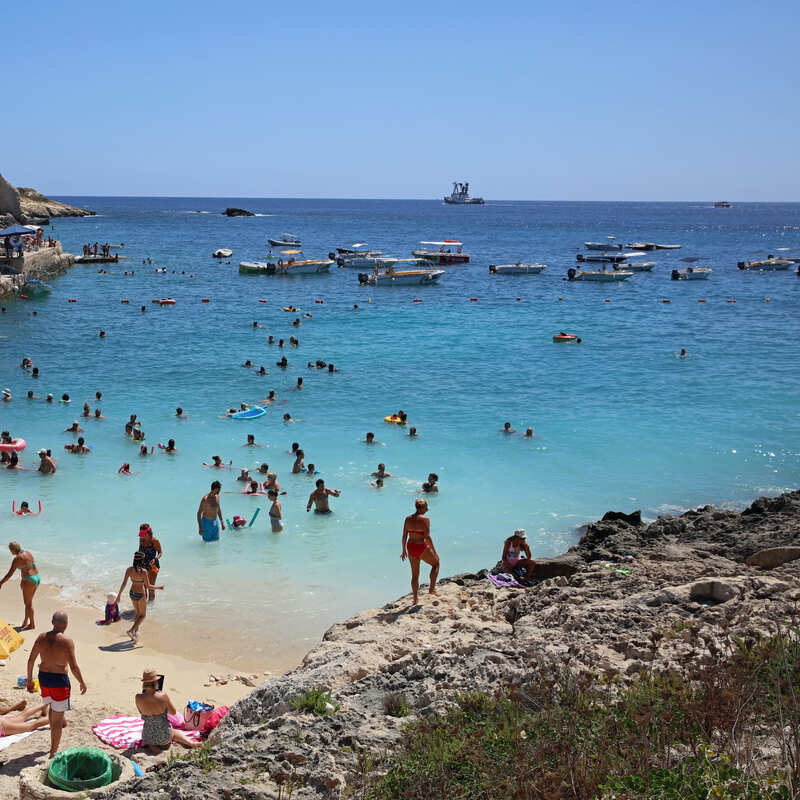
(196, 715)
(214, 719)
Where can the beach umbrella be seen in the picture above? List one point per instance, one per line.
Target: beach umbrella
(10, 640)
(17, 230)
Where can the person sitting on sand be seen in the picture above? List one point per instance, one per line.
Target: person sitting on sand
(74, 428)
(513, 548)
(47, 466)
(154, 704)
(381, 472)
(507, 428)
(25, 719)
(319, 497)
(29, 583)
(418, 546)
(298, 462)
(430, 485)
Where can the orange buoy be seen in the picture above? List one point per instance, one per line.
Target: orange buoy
(518, 299)
(319, 301)
(72, 299)
(701, 301)
(560, 298)
(263, 301)
(730, 301)
(124, 301)
(205, 300)
(606, 300)
(473, 299)
(23, 297)
(416, 300)
(766, 299)
(666, 301)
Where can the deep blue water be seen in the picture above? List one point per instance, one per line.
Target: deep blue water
(620, 421)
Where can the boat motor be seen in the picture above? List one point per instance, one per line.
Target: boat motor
(579, 257)
(741, 264)
(492, 269)
(339, 261)
(675, 275)
(571, 273)
(363, 278)
(332, 257)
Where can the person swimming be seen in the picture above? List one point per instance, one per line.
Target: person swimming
(507, 428)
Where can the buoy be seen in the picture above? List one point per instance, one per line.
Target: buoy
(369, 299)
(205, 300)
(560, 298)
(730, 301)
(72, 300)
(262, 301)
(319, 301)
(124, 301)
(416, 300)
(518, 299)
(666, 301)
(23, 297)
(473, 299)
(766, 299)
(606, 300)
(701, 301)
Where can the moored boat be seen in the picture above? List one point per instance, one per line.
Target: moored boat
(287, 262)
(598, 276)
(222, 252)
(285, 240)
(605, 246)
(641, 246)
(768, 264)
(409, 277)
(444, 254)
(669, 246)
(608, 258)
(722, 204)
(691, 274)
(520, 268)
(637, 266)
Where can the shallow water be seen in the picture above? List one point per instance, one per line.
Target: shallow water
(620, 421)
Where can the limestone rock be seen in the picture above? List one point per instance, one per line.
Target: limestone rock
(33, 205)
(772, 557)
(237, 212)
(9, 199)
(615, 516)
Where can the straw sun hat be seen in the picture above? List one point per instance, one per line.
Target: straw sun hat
(150, 676)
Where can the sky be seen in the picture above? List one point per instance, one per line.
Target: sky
(572, 100)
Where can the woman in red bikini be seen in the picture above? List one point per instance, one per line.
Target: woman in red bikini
(417, 545)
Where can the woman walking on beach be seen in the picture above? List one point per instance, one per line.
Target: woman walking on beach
(140, 586)
(418, 546)
(23, 561)
(154, 705)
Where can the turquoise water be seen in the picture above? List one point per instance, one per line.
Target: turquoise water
(620, 421)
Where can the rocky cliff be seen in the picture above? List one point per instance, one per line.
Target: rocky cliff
(28, 204)
(704, 574)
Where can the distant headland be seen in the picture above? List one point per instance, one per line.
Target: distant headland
(27, 206)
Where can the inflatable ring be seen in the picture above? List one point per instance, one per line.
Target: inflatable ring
(565, 337)
(16, 446)
(394, 420)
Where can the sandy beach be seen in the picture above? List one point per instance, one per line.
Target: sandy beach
(112, 667)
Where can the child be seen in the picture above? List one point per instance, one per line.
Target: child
(112, 610)
(238, 522)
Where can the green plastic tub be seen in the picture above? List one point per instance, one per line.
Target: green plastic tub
(80, 768)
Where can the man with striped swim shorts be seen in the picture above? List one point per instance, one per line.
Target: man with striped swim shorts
(57, 653)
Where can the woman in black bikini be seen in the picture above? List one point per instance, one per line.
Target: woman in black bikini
(140, 586)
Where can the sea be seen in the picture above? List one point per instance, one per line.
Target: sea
(620, 421)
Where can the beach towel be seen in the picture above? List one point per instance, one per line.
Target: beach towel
(504, 579)
(7, 741)
(124, 732)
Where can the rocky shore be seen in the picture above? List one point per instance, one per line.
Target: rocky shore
(27, 206)
(604, 605)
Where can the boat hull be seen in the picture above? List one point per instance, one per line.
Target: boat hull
(516, 269)
(639, 266)
(435, 257)
(283, 243)
(774, 265)
(698, 274)
(418, 277)
(605, 246)
(598, 277)
(470, 201)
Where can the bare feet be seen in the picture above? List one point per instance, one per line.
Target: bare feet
(28, 628)
(434, 592)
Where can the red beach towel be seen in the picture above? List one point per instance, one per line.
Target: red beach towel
(124, 732)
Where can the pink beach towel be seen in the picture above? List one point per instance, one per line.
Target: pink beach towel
(124, 732)
(504, 579)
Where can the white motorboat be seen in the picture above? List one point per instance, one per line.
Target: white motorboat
(285, 240)
(460, 196)
(691, 274)
(769, 264)
(349, 249)
(519, 268)
(599, 276)
(359, 259)
(287, 262)
(442, 252)
(605, 246)
(223, 252)
(668, 246)
(409, 277)
(640, 246)
(608, 258)
(638, 266)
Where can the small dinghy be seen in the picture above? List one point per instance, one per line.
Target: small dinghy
(519, 268)
(223, 252)
(691, 274)
(251, 413)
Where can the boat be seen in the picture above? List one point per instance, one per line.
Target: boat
(722, 204)
(287, 262)
(258, 267)
(409, 277)
(602, 246)
(444, 255)
(691, 274)
(97, 259)
(359, 259)
(460, 196)
(565, 337)
(640, 246)
(251, 413)
(286, 240)
(35, 288)
(349, 249)
(609, 258)
(519, 268)
(223, 252)
(668, 246)
(638, 266)
(769, 264)
(598, 276)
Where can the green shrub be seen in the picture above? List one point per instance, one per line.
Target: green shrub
(396, 705)
(316, 700)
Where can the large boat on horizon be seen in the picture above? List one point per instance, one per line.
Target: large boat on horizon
(460, 196)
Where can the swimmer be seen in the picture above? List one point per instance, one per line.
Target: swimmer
(355, 306)
(280, 342)
(298, 462)
(370, 438)
(263, 468)
(418, 546)
(381, 472)
(430, 485)
(130, 425)
(256, 325)
(295, 448)
(248, 363)
(24, 509)
(331, 369)
(143, 450)
(377, 483)
(35, 373)
(251, 441)
(80, 447)
(179, 413)
(138, 435)
(306, 315)
(507, 428)
(275, 511)
(98, 414)
(297, 322)
(125, 469)
(271, 483)
(170, 447)
(102, 334)
(65, 398)
(319, 497)
(30, 395)
(321, 364)
(270, 398)
(287, 417)
(262, 370)
(528, 433)
(253, 488)
(13, 461)
(682, 353)
(218, 463)
(7, 395)
(47, 466)
(49, 398)
(299, 384)
(311, 470)
(309, 365)
(74, 428)
(412, 432)
(271, 340)
(98, 396)
(244, 476)
(87, 412)
(283, 363)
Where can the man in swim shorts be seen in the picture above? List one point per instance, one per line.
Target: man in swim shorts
(418, 546)
(319, 497)
(57, 654)
(207, 513)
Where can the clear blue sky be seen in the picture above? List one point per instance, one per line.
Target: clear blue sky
(563, 101)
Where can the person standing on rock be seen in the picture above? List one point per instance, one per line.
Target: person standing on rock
(418, 546)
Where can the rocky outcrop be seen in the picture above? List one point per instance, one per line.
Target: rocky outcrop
(33, 205)
(237, 212)
(634, 598)
(9, 201)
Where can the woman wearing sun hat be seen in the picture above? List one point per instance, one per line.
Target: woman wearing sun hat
(513, 550)
(154, 705)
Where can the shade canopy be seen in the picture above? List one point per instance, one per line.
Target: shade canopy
(17, 230)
